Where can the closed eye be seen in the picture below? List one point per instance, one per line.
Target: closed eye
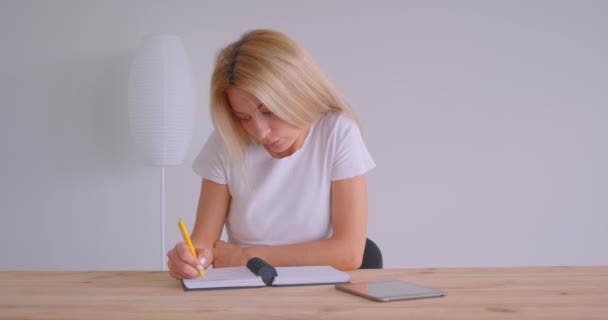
(241, 116)
(264, 110)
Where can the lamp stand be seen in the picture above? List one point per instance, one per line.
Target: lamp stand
(163, 255)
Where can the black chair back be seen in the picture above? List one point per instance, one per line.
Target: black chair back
(372, 256)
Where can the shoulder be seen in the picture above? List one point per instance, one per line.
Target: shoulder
(337, 123)
(337, 132)
(214, 142)
(213, 153)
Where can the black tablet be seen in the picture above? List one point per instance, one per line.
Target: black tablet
(389, 290)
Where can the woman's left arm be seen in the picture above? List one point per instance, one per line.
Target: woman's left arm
(343, 250)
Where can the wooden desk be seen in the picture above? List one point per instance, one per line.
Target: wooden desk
(473, 293)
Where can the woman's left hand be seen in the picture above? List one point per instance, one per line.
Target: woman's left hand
(228, 255)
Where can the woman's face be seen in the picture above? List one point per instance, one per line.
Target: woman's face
(280, 138)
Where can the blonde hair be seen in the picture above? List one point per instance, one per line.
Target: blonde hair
(281, 74)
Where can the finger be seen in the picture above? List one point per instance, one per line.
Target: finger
(174, 270)
(182, 263)
(171, 254)
(205, 257)
(183, 253)
(171, 258)
(184, 270)
(175, 275)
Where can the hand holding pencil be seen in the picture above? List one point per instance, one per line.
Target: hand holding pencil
(184, 260)
(186, 236)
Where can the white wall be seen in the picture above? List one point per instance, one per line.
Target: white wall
(487, 120)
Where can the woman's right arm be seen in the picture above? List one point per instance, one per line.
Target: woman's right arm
(213, 205)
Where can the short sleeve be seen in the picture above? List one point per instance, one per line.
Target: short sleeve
(211, 162)
(351, 157)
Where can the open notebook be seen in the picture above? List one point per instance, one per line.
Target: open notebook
(258, 273)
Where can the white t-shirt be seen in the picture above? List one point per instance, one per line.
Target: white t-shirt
(286, 201)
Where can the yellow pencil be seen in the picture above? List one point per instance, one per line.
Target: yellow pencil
(186, 236)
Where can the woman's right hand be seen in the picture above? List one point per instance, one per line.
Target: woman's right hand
(183, 265)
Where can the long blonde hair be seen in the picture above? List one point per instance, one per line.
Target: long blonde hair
(281, 74)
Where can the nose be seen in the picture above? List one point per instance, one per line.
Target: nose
(260, 129)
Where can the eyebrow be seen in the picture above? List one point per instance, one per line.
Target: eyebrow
(261, 105)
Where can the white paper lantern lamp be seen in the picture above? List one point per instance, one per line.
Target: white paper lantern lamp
(161, 102)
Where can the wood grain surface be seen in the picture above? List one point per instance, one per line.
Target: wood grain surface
(473, 293)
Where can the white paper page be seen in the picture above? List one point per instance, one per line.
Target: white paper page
(309, 275)
(225, 278)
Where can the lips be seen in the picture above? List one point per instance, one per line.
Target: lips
(273, 144)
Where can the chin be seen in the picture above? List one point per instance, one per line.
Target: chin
(275, 150)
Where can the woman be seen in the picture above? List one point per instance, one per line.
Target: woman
(284, 169)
